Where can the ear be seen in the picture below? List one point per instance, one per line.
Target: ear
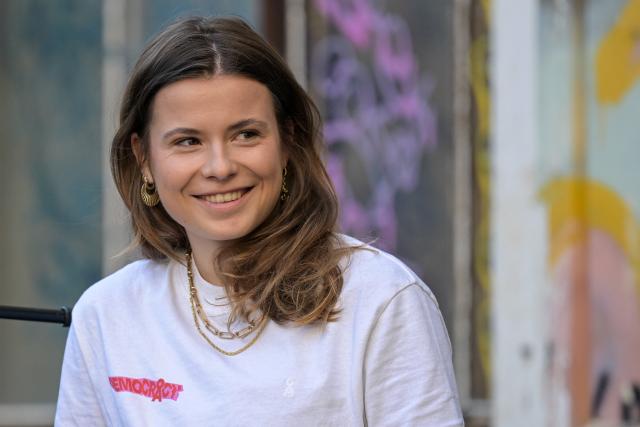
(141, 158)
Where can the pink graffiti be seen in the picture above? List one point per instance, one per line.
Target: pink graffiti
(614, 314)
(376, 106)
(354, 18)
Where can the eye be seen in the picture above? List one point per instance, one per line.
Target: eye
(187, 142)
(247, 134)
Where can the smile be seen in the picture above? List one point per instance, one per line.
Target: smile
(225, 197)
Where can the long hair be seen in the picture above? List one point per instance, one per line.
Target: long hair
(288, 266)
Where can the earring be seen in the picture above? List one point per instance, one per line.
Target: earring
(284, 192)
(148, 193)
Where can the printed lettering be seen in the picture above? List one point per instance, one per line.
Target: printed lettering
(177, 388)
(167, 391)
(146, 385)
(156, 390)
(157, 395)
(115, 383)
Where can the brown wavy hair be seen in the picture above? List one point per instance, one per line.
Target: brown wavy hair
(288, 267)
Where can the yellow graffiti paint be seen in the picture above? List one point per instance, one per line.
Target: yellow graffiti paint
(617, 62)
(479, 81)
(605, 210)
(486, 9)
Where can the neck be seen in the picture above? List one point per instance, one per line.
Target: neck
(203, 257)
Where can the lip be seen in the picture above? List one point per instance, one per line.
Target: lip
(224, 206)
(230, 190)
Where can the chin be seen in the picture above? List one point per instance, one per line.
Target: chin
(228, 236)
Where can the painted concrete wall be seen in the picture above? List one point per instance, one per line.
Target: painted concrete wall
(566, 247)
(518, 224)
(589, 66)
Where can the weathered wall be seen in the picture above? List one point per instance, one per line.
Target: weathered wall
(565, 233)
(589, 104)
(382, 75)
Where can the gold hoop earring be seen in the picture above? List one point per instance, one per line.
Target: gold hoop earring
(148, 193)
(284, 191)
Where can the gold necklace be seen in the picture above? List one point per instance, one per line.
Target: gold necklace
(197, 307)
(228, 335)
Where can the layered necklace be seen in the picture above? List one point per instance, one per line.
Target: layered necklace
(200, 318)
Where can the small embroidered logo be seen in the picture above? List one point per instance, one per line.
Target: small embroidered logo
(156, 390)
(289, 391)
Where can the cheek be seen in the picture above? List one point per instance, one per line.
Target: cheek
(267, 165)
(170, 174)
(275, 179)
(271, 176)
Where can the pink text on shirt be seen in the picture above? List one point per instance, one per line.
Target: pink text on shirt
(156, 390)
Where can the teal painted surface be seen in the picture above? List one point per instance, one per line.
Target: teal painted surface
(51, 169)
(163, 12)
(612, 134)
(50, 80)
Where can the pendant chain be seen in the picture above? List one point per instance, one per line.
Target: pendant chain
(196, 307)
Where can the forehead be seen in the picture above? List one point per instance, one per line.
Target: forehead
(215, 100)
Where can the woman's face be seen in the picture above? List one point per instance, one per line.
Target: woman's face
(215, 156)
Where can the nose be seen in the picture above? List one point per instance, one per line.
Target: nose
(218, 163)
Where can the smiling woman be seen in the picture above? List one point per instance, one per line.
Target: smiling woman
(218, 159)
(215, 156)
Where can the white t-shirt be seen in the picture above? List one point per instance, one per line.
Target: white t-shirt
(135, 358)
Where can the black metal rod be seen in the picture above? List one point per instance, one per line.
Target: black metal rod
(63, 315)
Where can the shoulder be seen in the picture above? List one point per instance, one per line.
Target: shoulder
(376, 276)
(120, 287)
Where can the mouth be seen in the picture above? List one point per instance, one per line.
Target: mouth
(230, 196)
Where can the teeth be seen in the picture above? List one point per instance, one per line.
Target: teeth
(224, 197)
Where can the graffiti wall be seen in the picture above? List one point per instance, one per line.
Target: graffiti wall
(589, 105)
(381, 74)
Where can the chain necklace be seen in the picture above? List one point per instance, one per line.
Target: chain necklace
(228, 334)
(196, 307)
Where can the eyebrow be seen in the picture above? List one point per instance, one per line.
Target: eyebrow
(247, 122)
(181, 131)
(234, 127)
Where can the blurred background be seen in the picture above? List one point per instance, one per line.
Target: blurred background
(493, 145)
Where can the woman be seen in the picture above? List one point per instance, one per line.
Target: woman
(248, 309)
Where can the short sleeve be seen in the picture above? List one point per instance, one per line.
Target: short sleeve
(77, 401)
(409, 377)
